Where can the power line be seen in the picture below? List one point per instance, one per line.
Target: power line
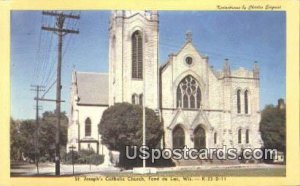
(48, 71)
(37, 53)
(75, 23)
(44, 53)
(49, 89)
(46, 59)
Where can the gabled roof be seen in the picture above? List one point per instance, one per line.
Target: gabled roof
(92, 88)
(190, 43)
(162, 67)
(178, 117)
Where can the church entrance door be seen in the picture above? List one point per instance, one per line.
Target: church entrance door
(178, 137)
(199, 138)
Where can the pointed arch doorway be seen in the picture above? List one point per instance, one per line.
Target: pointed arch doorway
(199, 138)
(178, 137)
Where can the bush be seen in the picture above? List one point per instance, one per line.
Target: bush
(43, 159)
(68, 157)
(84, 157)
(96, 159)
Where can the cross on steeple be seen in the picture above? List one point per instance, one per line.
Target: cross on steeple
(189, 36)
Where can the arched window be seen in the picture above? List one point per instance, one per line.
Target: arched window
(135, 99)
(188, 93)
(240, 136)
(247, 136)
(192, 100)
(141, 99)
(215, 138)
(238, 101)
(199, 138)
(179, 100)
(88, 127)
(137, 55)
(178, 137)
(246, 101)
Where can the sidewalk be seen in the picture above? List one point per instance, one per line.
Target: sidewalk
(48, 169)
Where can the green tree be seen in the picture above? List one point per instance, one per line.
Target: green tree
(16, 143)
(22, 136)
(48, 133)
(22, 139)
(272, 127)
(121, 125)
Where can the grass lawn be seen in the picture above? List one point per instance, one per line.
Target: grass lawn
(229, 172)
(220, 172)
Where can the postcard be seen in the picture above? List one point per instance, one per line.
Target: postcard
(152, 93)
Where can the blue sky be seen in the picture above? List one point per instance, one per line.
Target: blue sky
(242, 37)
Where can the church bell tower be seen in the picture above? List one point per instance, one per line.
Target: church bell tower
(133, 57)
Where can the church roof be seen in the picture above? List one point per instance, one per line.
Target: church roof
(92, 88)
(188, 42)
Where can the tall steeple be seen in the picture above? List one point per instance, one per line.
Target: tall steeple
(133, 57)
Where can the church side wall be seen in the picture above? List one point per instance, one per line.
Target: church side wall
(81, 113)
(242, 120)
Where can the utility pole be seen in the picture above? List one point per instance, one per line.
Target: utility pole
(72, 151)
(37, 89)
(60, 31)
(144, 113)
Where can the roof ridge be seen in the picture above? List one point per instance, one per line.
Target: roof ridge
(99, 73)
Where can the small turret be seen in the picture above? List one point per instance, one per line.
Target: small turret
(154, 15)
(117, 13)
(255, 70)
(226, 68)
(171, 56)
